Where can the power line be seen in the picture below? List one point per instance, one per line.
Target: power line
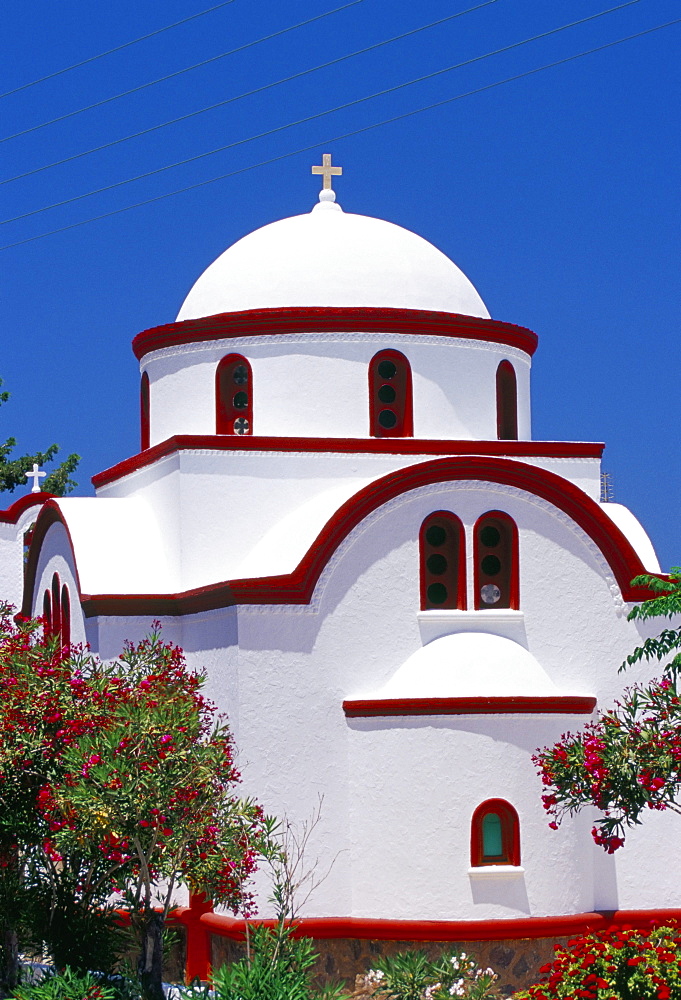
(117, 48)
(249, 93)
(309, 118)
(345, 135)
(180, 72)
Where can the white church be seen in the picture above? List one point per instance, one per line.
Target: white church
(339, 512)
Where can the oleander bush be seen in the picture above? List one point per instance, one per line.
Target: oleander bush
(618, 964)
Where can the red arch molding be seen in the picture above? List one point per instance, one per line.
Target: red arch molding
(265, 322)
(297, 587)
(14, 512)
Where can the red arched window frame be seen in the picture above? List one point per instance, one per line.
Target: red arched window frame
(234, 396)
(442, 550)
(507, 402)
(56, 605)
(503, 846)
(495, 554)
(65, 616)
(47, 611)
(144, 412)
(390, 395)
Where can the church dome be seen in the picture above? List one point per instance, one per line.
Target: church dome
(331, 258)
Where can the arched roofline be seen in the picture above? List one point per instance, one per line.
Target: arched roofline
(12, 514)
(266, 322)
(298, 587)
(49, 515)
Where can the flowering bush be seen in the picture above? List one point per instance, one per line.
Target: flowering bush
(113, 777)
(630, 759)
(620, 964)
(411, 975)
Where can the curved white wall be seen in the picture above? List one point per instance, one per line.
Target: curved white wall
(316, 385)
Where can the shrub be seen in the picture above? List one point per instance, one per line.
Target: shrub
(66, 985)
(411, 975)
(619, 964)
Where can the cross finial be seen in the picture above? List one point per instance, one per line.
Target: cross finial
(327, 171)
(36, 475)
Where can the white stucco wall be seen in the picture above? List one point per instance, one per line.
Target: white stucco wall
(316, 385)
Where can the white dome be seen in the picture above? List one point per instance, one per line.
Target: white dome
(332, 258)
(469, 664)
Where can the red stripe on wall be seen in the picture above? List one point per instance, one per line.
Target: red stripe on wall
(518, 704)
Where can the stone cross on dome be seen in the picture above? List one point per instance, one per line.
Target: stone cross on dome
(36, 475)
(327, 172)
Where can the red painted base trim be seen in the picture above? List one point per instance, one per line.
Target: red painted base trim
(549, 705)
(266, 322)
(358, 446)
(452, 930)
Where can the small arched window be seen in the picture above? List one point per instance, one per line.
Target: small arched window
(65, 616)
(144, 412)
(443, 562)
(507, 402)
(390, 402)
(47, 611)
(496, 561)
(495, 834)
(56, 605)
(234, 396)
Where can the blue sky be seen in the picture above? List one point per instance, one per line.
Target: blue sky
(557, 194)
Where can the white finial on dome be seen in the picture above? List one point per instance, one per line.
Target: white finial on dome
(327, 196)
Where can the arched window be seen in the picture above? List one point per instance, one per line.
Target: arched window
(56, 605)
(390, 404)
(496, 561)
(144, 412)
(57, 611)
(443, 562)
(65, 616)
(507, 402)
(47, 611)
(234, 396)
(495, 834)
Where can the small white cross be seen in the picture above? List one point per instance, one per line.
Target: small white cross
(36, 475)
(241, 425)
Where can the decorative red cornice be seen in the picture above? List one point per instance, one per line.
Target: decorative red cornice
(357, 708)
(266, 322)
(14, 512)
(510, 928)
(353, 446)
(297, 587)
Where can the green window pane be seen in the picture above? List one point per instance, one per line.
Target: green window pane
(491, 836)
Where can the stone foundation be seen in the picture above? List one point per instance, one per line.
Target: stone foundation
(515, 961)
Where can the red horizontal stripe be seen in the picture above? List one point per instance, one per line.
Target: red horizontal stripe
(266, 322)
(371, 446)
(453, 930)
(517, 704)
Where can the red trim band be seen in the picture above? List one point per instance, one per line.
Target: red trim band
(357, 708)
(265, 322)
(372, 446)
(14, 512)
(452, 930)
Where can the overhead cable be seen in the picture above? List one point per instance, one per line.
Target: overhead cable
(346, 135)
(179, 72)
(249, 93)
(307, 119)
(117, 48)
